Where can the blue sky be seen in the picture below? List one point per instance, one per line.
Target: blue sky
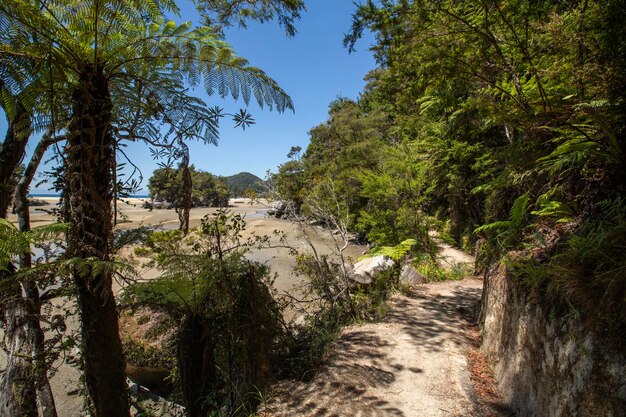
(312, 67)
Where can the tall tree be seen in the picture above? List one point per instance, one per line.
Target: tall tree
(19, 313)
(12, 150)
(31, 295)
(218, 13)
(95, 49)
(26, 373)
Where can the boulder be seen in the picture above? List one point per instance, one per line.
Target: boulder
(35, 202)
(410, 276)
(145, 403)
(365, 270)
(162, 205)
(155, 379)
(278, 208)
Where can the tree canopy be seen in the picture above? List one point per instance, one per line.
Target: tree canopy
(207, 189)
(95, 73)
(499, 123)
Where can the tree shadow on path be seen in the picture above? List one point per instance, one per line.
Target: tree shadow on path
(358, 362)
(432, 319)
(359, 375)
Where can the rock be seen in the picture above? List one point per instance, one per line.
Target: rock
(35, 202)
(156, 379)
(300, 321)
(145, 403)
(365, 270)
(410, 276)
(73, 358)
(279, 208)
(162, 205)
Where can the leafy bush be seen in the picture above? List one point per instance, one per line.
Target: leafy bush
(228, 320)
(585, 270)
(430, 268)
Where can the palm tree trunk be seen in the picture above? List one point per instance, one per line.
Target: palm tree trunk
(89, 183)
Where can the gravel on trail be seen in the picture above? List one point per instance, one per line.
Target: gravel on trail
(411, 364)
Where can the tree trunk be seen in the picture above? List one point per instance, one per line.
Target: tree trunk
(89, 182)
(11, 153)
(42, 384)
(184, 194)
(18, 394)
(18, 388)
(196, 365)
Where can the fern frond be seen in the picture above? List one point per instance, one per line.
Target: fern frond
(395, 253)
(14, 243)
(495, 226)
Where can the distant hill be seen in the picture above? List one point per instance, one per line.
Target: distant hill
(243, 181)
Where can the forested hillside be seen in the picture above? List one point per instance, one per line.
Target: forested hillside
(243, 182)
(166, 184)
(499, 124)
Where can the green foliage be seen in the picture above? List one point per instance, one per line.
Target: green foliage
(550, 206)
(507, 231)
(395, 253)
(588, 268)
(142, 354)
(165, 184)
(126, 237)
(326, 282)
(14, 243)
(240, 184)
(288, 184)
(503, 124)
(228, 12)
(434, 272)
(113, 70)
(225, 308)
(304, 348)
(585, 271)
(335, 302)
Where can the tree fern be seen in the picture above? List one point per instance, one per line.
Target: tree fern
(395, 253)
(14, 243)
(506, 232)
(115, 61)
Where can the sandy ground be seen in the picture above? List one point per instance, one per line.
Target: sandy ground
(412, 364)
(131, 214)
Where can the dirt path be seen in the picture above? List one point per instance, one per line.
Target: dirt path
(412, 364)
